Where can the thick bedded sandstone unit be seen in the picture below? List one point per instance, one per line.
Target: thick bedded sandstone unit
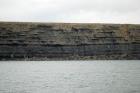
(59, 41)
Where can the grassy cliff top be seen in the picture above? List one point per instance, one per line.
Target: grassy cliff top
(17, 26)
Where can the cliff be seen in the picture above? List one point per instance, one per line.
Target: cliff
(65, 41)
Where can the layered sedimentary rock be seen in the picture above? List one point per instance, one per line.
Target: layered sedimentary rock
(54, 41)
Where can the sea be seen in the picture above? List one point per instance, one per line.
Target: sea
(70, 76)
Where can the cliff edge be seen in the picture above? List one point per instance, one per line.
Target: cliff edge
(68, 41)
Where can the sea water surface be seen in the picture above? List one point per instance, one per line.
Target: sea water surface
(70, 77)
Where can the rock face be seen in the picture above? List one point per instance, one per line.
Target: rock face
(63, 41)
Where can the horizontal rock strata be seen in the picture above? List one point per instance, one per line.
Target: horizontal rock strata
(64, 41)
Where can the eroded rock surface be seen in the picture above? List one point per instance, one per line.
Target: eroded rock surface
(51, 41)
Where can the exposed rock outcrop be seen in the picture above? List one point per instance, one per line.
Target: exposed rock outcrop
(54, 41)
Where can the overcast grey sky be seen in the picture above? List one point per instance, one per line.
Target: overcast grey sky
(89, 11)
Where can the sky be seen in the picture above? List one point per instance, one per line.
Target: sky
(71, 11)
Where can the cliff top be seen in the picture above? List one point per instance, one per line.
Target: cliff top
(15, 26)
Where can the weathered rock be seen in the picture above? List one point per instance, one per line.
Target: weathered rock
(50, 41)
